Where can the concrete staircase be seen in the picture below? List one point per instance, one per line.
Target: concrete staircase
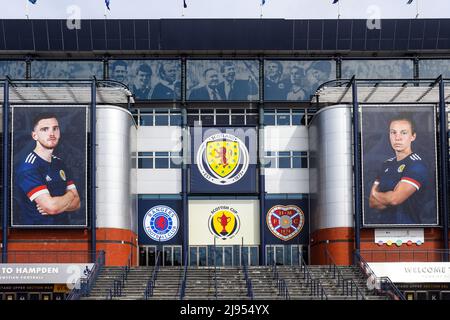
(200, 284)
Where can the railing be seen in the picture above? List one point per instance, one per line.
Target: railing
(348, 286)
(183, 283)
(151, 283)
(84, 286)
(316, 288)
(283, 289)
(248, 281)
(381, 285)
(118, 284)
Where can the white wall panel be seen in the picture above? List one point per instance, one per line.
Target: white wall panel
(159, 138)
(287, 180)
(286, 138)
(158, 181)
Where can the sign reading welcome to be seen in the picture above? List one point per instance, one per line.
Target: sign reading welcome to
(412, 272)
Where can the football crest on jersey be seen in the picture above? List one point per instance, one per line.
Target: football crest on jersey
(401, 168)
(62, 174)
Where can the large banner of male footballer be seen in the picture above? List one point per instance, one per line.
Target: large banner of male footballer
(49, 149)
(399, 166)
(223, 160)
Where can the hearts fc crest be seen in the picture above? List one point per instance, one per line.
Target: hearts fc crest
(285, 222)
(222, 159)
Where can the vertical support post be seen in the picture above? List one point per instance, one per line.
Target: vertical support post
(5, 183)
(356, 162)
(262, 185)
(443, 137)
(184, 184)
(93, 187)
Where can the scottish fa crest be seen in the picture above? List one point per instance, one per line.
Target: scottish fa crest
(224, 222)
(161, 223)
(285, 222)
(222, 159)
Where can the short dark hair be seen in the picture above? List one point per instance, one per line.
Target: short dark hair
(225, 65)
(145, 68)
(40, 117)
(405, 117)
(118, 63)
(207, 70)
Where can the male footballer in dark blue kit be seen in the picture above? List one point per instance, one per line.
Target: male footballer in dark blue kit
(43, 186)
(399, 191)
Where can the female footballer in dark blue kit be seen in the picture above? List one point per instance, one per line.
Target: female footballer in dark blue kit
(399, 189)
(44, 189)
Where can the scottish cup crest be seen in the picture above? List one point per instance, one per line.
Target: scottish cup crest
(222, 159)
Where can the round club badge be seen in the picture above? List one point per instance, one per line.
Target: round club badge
(161, 223)
(224, 222)
(222, 159)
(285, 222)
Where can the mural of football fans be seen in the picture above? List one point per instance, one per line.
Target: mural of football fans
(13, 69)
(377, 69)
(66, 69)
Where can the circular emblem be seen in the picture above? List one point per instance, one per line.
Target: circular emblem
(161, 223)
(399, 242)
(222, 159)
(401, 168)
(285, 222)
(224, 222)
(62, 174)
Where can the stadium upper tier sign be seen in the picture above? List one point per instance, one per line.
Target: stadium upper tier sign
(224, 160)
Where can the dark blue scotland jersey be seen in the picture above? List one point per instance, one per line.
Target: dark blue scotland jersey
(411, 170)
(33, 177)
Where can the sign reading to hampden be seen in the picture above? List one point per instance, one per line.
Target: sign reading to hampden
(35, 273)
(412, 272)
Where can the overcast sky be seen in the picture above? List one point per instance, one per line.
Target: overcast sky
(288, 9)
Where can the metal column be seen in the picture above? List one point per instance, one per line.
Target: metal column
(5, 182)
(184, 186)
(356, 162)
(93, 186)
(443, 137)
(262, 186)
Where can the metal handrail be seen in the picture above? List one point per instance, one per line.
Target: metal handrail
(84, 287)
(316, 286)
(381, 285)
(283, 289)
(248, 281)
(347, 284)
(151, 282)
(183, 283)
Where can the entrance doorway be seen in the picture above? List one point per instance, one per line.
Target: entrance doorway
(223, 255)
(284, 254)
(169, 255)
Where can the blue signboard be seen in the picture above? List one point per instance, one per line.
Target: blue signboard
(160, 221)
(223, 160)
(286, 221)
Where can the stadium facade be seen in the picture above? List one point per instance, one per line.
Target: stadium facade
(232, 139)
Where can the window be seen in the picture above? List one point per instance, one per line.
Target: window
(286, 159)
(223, 117)
(286, 117)
(159, 160)
(158, 117)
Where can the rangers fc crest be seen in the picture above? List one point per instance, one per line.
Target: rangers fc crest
(222, 159)
(285, 222)
(161, 223)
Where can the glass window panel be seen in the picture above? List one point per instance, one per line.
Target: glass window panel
(219, 256)
(145, 154)
(222, 120)
(207, 120)
(145, 163)
(283, 120)
(284, 153)
(207, 111)
(192, 119)
(202, 256)
(238, 111)
(304, 162)
(298, 119)
(252, 119)
(287, 256)
(222, 111)
(279, 255)
(269, 119)
(244, 256)
(162, 163)
(175, 120)
(296, 162)
(161, 154)
(228, 256)
(284, 162)
(254, 259)
(210, 255)
(175, 163)
(146, 120)
(168, 256)
(270, 258)
(177, 256)
(238, 119)
(295, 255)
(192, 256)
(161, 120)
